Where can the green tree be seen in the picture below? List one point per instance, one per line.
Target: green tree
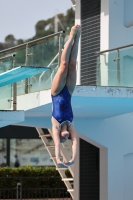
(43, 28)
(70, 18)
(10, 39)
(20, 41)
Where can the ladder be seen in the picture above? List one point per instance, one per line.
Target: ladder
(64, 155)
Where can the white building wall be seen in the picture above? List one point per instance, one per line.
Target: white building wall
(104, 27)
(115, 134)
(116, 30)
(114, 33)
(119, 15)
(100, 118)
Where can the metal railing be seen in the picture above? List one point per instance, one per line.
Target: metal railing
(26, 44)
(113, 49)
(44, 188)
(34, 193)
(115, 67)
(34, 83)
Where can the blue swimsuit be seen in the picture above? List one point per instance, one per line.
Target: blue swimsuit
(62, 110)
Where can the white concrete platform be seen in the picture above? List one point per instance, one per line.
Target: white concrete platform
(8, 117)
(87, 102)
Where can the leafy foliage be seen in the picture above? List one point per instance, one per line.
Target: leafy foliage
(10, 39)
(41, 182)
(32, 177)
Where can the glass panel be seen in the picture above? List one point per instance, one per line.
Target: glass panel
(6, 64)
(29, 152)
(3, 153)
(20, 61)
(42, 55)
(6, 91)
(20, 57)
(113, 69)
(126, 67)
(107, 69)
(116, 68)
(5, 97)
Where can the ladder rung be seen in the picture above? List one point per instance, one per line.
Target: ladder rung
(70, 190)
(67, 179)
(50, 146)
(46, 135)
(53, 157)
(60, 168)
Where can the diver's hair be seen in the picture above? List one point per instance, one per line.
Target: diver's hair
(62, 140)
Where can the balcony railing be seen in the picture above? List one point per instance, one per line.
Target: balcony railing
(115, 67)
(44, 52)
(45, 188)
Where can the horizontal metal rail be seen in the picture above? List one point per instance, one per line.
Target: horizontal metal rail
(34, 177)
(121, 47)
(19, 193)
(18, 47)
(10, 56)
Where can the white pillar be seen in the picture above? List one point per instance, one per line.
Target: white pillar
(78, 21)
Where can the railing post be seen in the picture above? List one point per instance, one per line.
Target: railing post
(98, 70)
(60, 48)
(26, 63)
(19, 191)
(14, 87)
(118, 67)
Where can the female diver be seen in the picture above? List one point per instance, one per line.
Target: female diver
(62, 88)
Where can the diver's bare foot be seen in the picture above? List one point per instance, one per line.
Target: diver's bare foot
(73, 31)
(78, 31)
(62, 165)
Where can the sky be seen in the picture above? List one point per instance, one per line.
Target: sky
(18, 17)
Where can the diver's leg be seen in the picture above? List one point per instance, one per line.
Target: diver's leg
(59, 80)
(71, 76)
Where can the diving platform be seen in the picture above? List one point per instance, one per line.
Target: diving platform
(20, 73)
(88, 102)
(8, 117)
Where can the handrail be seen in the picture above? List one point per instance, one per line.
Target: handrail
(10, 53)
(121, 47)
(30, 42)
(5, 57)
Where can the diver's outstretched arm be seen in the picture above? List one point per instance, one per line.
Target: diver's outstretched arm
(56, 137)
(73, 134)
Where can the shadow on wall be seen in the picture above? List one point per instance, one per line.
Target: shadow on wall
(128, 13)
(128, 176)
